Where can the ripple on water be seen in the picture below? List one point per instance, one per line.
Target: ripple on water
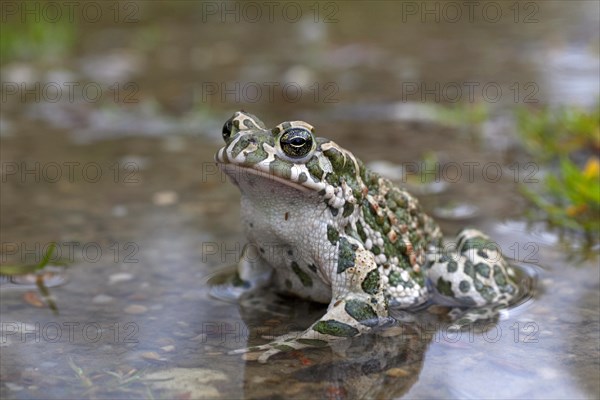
(527, 287)
(218, 287)
(527, 278)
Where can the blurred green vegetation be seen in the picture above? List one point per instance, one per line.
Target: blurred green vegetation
(36, 39)
(567, 144)
(463, 115)
(548, 133)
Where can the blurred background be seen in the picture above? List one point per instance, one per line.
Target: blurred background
(113, 216)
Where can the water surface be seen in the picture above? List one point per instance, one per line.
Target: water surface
(145, 219)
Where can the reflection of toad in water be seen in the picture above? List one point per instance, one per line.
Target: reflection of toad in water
(383, 365)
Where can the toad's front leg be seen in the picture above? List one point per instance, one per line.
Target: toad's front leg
(253, 273)
(358, 305)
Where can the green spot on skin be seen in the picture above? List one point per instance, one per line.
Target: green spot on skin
(346, 255)
(386, 227)
(303, 276)
(401, 248)
(474, 243)
(375, 250)
(414, 238)
(312, 342)
(335, 328)
(283, 347)
(336, 158)
(463, 322)
(349, 169)
(371, 283)
(510, 289)
(348, 209)
(315, 169)
(399, 198)
(444, 287)
(302, 178)
(361, 231)
(464, 286)
(419, 279)
(389, 248)
(401, 215)
(452, 266)
(469, 269)
(240, 145)
(333, 179)
(255, 157)
(488, 293)
(483, 270)
(362, 171)
(280, 168)
(468, 301)
(332, 234)
(499, 276)
(395, 278)
(362, 312)
(368, 214)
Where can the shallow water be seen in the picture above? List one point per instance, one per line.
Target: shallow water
(144, 218)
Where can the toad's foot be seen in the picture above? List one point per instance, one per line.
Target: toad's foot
(347, 318)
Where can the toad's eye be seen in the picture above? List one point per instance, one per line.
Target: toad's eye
(227, 128)
(296, 142)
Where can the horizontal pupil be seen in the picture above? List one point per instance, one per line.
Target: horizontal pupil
(297, 141)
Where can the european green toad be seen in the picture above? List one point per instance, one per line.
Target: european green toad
(323, 227)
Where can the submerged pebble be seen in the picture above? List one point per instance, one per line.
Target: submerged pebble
(120, 277)
(102, 299)
(165, 198)
(135, 309)
(152, 356)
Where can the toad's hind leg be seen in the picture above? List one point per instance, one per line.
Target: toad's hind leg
(472, 274)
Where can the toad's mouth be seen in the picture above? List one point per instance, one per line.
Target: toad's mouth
(239, 173)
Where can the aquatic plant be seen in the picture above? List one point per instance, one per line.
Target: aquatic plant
(566, 142)
(37, 272)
